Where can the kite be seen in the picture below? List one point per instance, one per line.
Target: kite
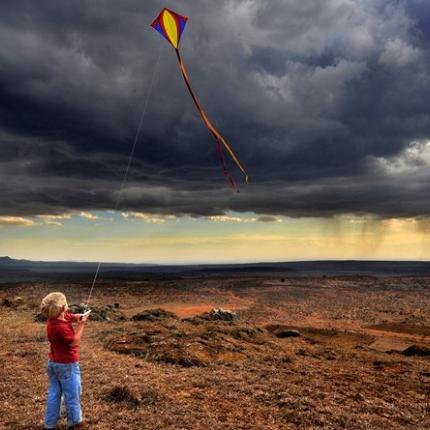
(171, 26)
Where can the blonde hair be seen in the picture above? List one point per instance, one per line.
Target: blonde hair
(53, 304)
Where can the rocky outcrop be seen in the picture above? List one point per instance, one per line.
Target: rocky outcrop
(216, 314)
(418, 350)
(154, 315)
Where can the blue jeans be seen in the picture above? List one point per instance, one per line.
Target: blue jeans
(64, 380)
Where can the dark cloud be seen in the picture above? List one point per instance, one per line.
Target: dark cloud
(267, 218)
(324, 102)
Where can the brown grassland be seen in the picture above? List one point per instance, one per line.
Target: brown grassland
(345, 371)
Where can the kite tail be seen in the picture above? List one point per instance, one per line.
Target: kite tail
(219, 138)
(224, 166)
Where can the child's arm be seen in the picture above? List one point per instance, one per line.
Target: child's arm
(80, 329)
(77, 317)
(72, 317)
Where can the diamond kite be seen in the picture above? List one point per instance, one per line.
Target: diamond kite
(171, 26)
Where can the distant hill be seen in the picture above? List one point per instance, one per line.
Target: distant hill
(9, 264)
(301, 268)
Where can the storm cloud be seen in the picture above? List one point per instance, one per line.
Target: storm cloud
(326, 103)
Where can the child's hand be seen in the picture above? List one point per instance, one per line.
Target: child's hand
(83, 317)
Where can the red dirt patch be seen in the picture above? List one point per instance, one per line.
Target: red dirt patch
(191, 310)
(390, 344)
(185, 310)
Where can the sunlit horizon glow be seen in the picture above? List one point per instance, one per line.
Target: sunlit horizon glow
(135, 237)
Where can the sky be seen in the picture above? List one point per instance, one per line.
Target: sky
(325, 102)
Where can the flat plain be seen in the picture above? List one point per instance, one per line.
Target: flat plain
(348, 352)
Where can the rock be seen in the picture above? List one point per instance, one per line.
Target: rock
(216, 314)
(418, 350)
(154, 315)
(282, 333)
(223, 314)
(7, 303)
(17, 302)
(106, 313)
(79, 309)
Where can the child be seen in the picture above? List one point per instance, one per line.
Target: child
(63, 367)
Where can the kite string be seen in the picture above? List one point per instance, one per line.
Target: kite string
(130, 158)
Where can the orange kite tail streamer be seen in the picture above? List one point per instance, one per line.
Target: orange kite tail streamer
(219, 138)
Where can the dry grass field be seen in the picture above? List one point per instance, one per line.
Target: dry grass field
(346, 370)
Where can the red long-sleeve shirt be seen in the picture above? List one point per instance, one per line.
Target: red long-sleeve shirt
(61, 336)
